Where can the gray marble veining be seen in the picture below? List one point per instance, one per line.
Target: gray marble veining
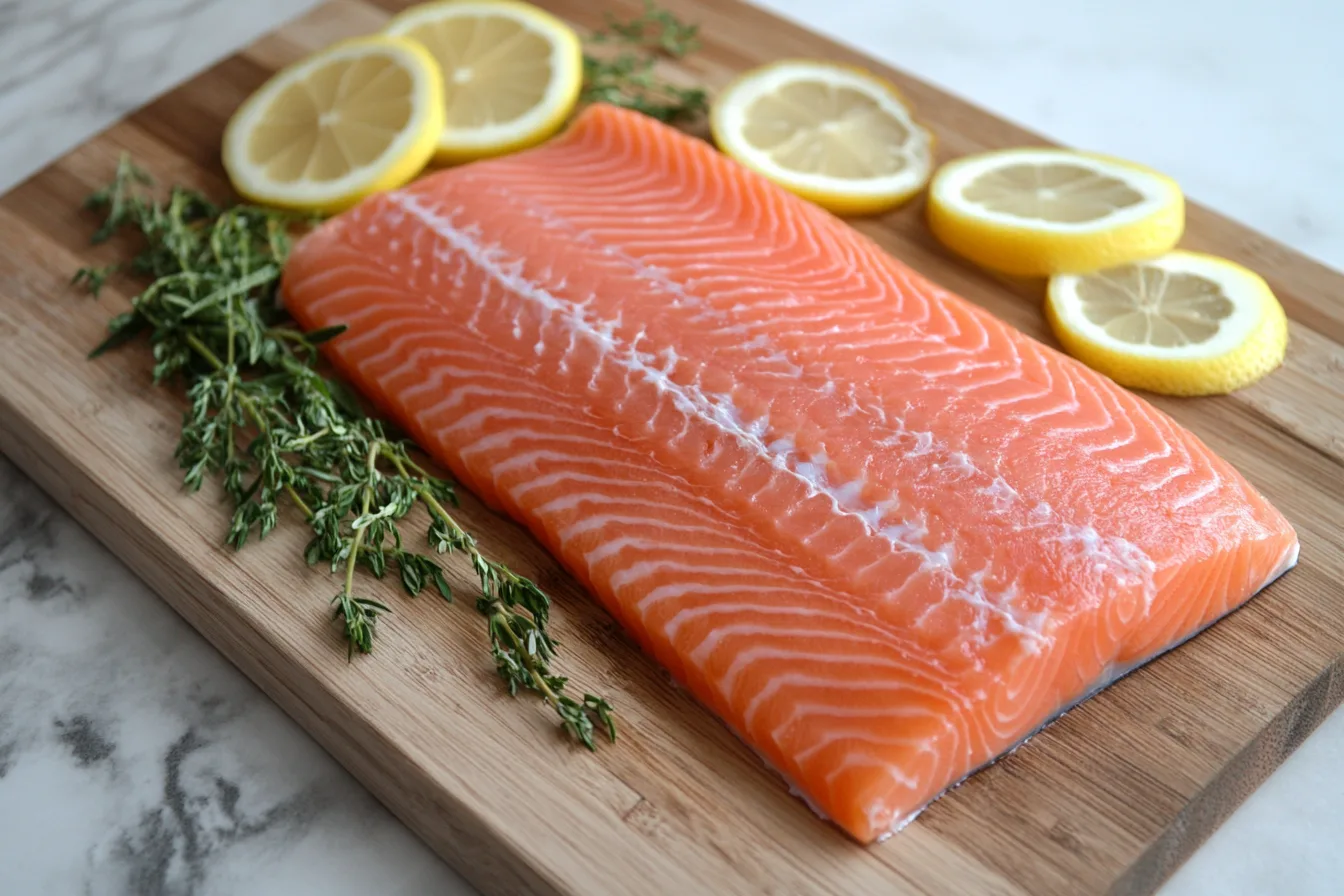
(135, 759)
(69, 68)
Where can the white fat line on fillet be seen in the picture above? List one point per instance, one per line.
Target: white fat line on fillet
(534, 393)
(577, 463)
(635, 199)
(450, 399)
(822, 717)
(615, 546)
(573, 462)
(868, 750)
(810, 311)
(832, 282)
(901, 701)
(888, 655)
(929, 672)
(474, 419)
(642, 501)
(986, 604)
(856, 724)
(651, 220)
(874, 747)
(625, 521)
(1127, 406)
(448, 402)
(671, 592)
(589, 479)
(358, 296)
(1211, 485)
(719, 411)
(772, 316)
(972, 597)
(866, 759)
(504, 439)
(722, 267)
(766, 636)
(842, 664)
(570, 501)
(791, 275)
(637, 486)
(864, 735)
(801, 682)
(641, 570)
(659, 277)
(891, 348)
(422, 340)
(905, 279)
(748, 215)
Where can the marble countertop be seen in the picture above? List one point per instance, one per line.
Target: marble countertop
(135, 759)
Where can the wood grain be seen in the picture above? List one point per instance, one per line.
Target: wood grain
(1111, 797)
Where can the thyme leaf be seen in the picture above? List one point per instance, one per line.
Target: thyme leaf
(627, 74)
(275, 430)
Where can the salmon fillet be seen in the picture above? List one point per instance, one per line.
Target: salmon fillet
(880, 533)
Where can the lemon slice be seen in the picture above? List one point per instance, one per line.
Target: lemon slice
(358, 117)
(838, 136)
(511, 72)
(1181, 324)
(1037, 211)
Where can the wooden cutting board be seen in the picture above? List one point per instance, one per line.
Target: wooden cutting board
(1113, 796)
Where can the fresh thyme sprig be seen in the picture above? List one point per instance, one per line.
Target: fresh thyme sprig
(628, 77)
(264, 418)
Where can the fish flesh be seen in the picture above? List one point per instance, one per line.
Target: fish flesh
(880, 533)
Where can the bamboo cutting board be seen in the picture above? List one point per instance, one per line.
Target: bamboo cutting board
(1113, 796)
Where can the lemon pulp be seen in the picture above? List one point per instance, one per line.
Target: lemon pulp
(838, 136)
(1038, 211)
(511, 72)
(1182, 324)
(356, 118)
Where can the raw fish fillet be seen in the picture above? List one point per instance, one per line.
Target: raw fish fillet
(883, 535)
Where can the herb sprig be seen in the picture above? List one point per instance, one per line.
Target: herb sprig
(276, 430)
(628, 77)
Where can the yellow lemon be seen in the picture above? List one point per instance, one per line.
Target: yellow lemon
(1181, 324)
(356, 118)
(511, 72)
(836, 135)
(1039, 211)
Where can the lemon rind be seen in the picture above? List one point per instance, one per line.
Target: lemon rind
(844, 196)
(1258, 348)
(1028, 248)
(453, 146)
(403, 159)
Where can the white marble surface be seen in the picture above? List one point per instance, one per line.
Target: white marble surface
(134, 759)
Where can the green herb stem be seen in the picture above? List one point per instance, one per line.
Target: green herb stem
(253, 413)
(365, 502)
(264, 418)
(627, 74)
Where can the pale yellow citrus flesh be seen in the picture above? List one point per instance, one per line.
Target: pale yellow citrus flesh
(1038, 211)
(511, 72)
(838, 136)
(1181, 324)
(354, 119)
(1062, 192)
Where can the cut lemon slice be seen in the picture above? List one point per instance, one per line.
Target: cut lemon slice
(511, 72)
(1036, 212)
(358, 117)
(838, 136)
(1181, 324)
